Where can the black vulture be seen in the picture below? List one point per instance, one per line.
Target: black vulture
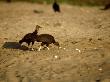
(30, 37)
(46, 39)
(9, 1)
(56, 6)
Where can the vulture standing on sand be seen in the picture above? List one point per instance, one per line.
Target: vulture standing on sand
(46, 39)
(56, 6)
(30, 37)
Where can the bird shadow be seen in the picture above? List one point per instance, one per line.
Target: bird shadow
(14, 45)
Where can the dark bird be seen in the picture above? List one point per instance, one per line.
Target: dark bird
(46, 39)
(8, 1)
(30, 37)
(98, 81)
(56, 6)
(107, 6)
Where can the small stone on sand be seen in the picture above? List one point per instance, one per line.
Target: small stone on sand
(100, 69)
(56, 57)
(60, 47)
(78, 50)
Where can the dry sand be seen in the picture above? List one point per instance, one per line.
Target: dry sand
(83, 33)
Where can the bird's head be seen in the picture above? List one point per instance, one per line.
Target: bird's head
(37, 29)
(57, 44)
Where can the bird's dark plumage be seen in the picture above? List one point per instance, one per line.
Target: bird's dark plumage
(56, 6)
(9, 1)
(46, 39)
(30, 37)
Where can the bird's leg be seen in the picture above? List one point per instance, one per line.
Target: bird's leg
(39, 48)
(32, 46)
(42, 44)
(47, 46)
(28, 45)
